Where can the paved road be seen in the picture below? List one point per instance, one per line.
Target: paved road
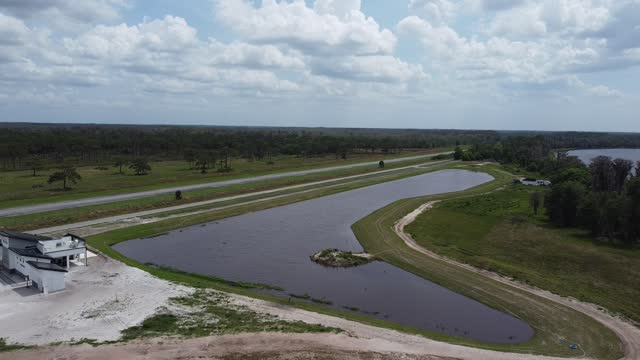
(137, 195)
(329, 183)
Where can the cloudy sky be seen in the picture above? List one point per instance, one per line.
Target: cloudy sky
(481, 64)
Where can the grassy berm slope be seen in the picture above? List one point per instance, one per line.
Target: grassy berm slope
(499, 232)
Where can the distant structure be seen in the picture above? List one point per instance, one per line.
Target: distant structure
(42, 261)
(534, 182)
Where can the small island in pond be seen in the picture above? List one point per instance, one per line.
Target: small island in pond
(337, 258)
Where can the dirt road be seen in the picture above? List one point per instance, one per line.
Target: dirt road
(627, 332)
(245, 346)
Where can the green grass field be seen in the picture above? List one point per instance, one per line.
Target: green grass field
(20, 188)
(499, 232)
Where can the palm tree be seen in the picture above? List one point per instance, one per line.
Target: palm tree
(67, 174)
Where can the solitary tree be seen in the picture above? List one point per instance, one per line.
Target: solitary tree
(381, 164)
(34, 164)
(120, 163)
(66, 175)
(140, 166)
(178, 195)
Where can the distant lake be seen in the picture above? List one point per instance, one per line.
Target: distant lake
(588, 154)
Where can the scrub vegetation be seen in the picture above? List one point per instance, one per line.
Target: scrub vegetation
(209, 312)
(4, 347)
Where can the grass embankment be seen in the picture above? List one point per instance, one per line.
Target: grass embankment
(85, 213)
(20, 188)
(501, 234)
(556, 326)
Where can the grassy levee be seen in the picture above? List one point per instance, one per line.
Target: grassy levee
(20, 188)
(85, 213)
(556, 326)
(504, 236)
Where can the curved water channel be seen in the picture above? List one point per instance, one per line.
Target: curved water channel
(273, 247)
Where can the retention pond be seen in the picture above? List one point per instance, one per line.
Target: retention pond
(273, 247)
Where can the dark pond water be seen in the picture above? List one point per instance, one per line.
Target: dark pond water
(588, 154)
(273, 247)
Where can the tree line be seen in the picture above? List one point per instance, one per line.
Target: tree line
(27, 146)
(603, 197)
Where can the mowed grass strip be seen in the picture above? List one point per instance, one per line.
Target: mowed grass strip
(20, 188)
(85, 213)
(556, 326)
(499, 232)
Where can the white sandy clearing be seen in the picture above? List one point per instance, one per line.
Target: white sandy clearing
(99, 301)
(627, 332)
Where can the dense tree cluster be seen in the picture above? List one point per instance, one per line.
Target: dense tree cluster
(603, 197)
(54, 144)
(534, 152)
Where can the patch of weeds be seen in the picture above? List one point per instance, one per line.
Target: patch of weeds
(4, 347)
(92, 342)
(207, 313)
(351, 308)
(158, 325)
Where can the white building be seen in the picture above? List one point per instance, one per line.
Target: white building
(42, 261)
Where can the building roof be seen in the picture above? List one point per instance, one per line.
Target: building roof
(23, 236)
(46, 266)
(30, 252)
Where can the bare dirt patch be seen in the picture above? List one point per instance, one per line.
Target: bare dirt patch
(245, 346)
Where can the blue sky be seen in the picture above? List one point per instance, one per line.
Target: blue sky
(481, 64)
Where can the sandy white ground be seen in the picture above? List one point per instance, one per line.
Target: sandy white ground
(100, 301)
